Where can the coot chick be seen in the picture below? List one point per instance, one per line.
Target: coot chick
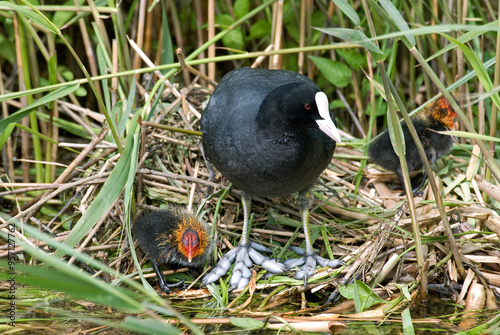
(271, 134)
(437, 116)
(175, 238)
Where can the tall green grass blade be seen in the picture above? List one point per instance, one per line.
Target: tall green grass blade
(104, 65)
(396, 17)
(6, 133)
(82, 257)
(116, 297)
(32, 15)
(128, 108)
(477, 65)
(380, 90)
(69, 126)
(466, 134)
(396, 133)
(20, 114)
(35, 133)
(167, 53)
(62, 277)
(344, 6)
(353, 36)
(470, 35)
(108, 194)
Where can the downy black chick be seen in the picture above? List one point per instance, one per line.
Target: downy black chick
(437, 116)
(175, 238)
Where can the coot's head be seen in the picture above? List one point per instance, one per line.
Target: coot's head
(301, 105)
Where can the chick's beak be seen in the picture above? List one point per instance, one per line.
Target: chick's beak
(326, 124)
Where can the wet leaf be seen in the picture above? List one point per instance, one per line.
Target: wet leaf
(361, 292)
(247, 323)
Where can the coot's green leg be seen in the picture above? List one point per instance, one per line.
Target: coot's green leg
(246, 202)
(243, 256)
(307, 262)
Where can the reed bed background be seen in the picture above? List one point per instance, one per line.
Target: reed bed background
(100, 119)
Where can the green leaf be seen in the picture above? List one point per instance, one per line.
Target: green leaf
(361, 291)
(353, 57)
(354, 36)
(247, 323)
(396, 132)
(344, 6)
(241, 8)
(396, 17)
(235, 38)
(167, 52)
(20, 114)
(336, 73)
(259, 29)
(7, 49)
(407, 323)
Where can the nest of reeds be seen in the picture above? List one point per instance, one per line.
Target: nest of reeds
(355, 216)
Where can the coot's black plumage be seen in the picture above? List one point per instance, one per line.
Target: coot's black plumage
(270, 133)
(175, 238)
(437, 116)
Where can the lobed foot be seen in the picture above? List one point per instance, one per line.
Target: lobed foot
(242, 256)
(307, 263)
(165, 287)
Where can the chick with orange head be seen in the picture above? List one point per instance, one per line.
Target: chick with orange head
(437, 116)
(175, 238)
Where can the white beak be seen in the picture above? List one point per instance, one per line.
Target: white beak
(326, 124)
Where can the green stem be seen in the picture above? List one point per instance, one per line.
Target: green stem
(37, 151)
(432, 182)
(246, 55)
(90, 81)
(76, 9)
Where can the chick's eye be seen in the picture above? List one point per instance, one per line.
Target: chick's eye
(307, 106)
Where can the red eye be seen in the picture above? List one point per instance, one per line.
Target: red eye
(307, 106)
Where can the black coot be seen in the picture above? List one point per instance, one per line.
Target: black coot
(437, 116)
(175, 238)
(270, 133)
